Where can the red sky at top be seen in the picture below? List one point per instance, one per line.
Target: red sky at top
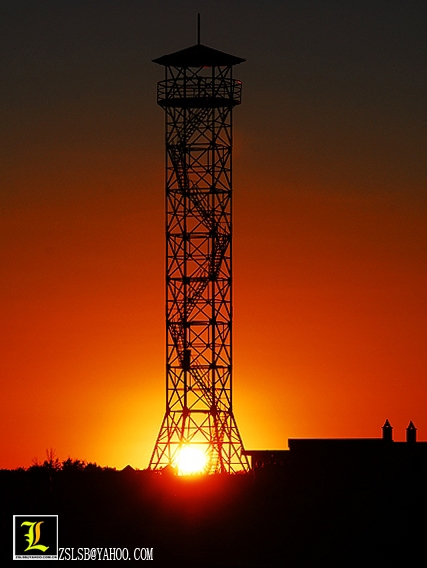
(329, 244)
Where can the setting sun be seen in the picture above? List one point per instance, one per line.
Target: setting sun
(191, 460)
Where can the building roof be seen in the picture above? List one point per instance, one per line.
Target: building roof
(198, 55)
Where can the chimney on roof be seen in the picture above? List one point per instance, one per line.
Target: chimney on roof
(411, 433)
(387, 432)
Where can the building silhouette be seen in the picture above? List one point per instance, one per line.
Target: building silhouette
(358, 458)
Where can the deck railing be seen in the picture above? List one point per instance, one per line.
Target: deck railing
(199, 90)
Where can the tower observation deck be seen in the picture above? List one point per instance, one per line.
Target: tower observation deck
(198, 95)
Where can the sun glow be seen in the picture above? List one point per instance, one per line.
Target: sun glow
(191, 460)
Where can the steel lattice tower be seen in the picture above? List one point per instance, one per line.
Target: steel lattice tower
(198, 95)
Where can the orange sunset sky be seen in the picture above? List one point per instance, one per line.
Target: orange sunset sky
(330, 238)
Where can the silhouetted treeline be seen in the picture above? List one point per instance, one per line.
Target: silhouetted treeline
(277, 516)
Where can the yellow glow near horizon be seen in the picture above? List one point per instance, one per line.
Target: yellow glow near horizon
(191, 460)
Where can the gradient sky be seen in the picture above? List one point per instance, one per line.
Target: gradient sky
(330, 237)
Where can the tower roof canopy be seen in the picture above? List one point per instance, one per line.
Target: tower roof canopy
(198, 55)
